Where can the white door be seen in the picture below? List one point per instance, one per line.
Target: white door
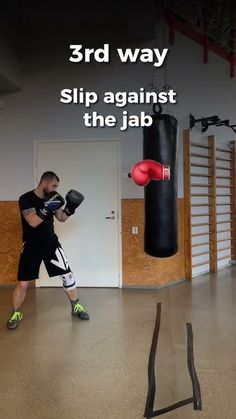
(90, 238)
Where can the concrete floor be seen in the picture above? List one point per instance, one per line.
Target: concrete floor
(56, 367)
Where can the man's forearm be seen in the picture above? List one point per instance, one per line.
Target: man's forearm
(61, 215)
(32, 218)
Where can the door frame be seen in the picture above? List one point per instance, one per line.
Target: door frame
(118, 143)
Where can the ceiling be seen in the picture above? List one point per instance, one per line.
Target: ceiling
(119, 19)
(214, 18)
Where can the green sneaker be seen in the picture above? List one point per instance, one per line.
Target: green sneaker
(79, 311)
(14, 320)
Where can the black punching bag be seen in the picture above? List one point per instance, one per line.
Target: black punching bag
(161, 222)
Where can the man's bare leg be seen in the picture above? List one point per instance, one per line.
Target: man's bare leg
(69, 286)
(19, 293)
(18, 297)
(73, 294)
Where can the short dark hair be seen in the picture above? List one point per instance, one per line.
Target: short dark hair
(49, 176)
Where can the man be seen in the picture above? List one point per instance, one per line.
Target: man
(40, 243)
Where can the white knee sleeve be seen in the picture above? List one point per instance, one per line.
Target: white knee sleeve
(68, 281)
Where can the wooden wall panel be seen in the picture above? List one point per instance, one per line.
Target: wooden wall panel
(10, 233)
(233, 198)
(187, 204)
(213, 204)
(138, 267)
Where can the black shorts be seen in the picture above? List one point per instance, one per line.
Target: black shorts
(49, 251)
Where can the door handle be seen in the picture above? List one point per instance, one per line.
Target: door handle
(112, 216)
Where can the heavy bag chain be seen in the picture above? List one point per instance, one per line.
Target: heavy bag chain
(161, 34)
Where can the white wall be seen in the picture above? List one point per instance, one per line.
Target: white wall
(37, 114)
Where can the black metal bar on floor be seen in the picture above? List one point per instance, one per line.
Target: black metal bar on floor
(151, 365)
(172, 407)
(195, 399)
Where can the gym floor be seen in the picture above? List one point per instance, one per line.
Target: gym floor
(55, 366)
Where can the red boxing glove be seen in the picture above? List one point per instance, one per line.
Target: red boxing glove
(145, 170)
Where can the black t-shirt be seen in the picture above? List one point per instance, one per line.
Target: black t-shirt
(43, 230)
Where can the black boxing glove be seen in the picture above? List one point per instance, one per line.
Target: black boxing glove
(52, 203)
(73, 201)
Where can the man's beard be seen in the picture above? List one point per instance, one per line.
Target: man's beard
(46, 192)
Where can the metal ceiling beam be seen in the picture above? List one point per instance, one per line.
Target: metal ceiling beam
(202, 38)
